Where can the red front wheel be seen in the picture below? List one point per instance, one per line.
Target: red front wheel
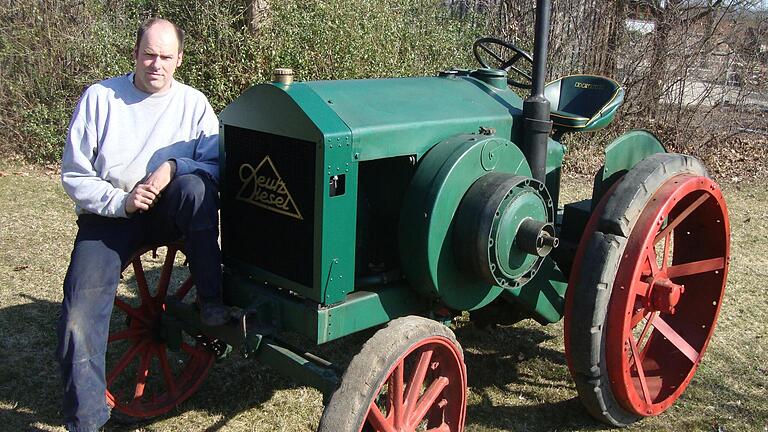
(409, 376)
(145, 378)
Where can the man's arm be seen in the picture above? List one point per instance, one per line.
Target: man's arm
(78, 174)
(206, 155)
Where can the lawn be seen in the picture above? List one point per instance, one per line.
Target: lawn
(517, 375)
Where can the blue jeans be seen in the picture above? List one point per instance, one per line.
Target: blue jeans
(187, 208)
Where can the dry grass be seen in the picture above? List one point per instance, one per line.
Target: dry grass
(517, 375)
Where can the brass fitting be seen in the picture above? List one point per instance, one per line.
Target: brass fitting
(282, 76)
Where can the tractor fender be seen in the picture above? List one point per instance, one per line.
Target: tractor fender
(621, 155)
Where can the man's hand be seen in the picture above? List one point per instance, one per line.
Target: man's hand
(141, 198)
(163, 175)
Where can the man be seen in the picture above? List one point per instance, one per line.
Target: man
(141, 165)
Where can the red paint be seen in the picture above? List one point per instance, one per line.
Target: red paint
(427, 383)
(146, 356)
(672, 275)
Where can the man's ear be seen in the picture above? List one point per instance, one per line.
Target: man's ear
(178, 62)
(135, 53)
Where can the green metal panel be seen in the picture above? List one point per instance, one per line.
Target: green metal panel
(621, 155)
(629, 149)
(362, 309)
(555, 155)
(426, 236)
(407, 116)
(295, 111)
(544, 296)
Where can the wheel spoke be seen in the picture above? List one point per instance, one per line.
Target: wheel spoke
(184, 289)
(396, 392)
(427, 400)
(640, 371)
(142, 373)
(417, 379)
(647, 327)
(676, 340)
(681, 217)
(510, 62)
(141, 281)
(165, 275)
(131, 311)
(665, 257)
(521, 72)
(126, 334)
(377, 420)
(637, 317)
(167, 374)
(125, 360)
(652, 262)
(696, 267)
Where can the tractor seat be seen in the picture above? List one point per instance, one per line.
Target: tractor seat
(583, 102)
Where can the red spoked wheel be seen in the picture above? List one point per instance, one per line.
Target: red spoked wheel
(410, 376)
(645, 289)
(145, 378)
(671, 283)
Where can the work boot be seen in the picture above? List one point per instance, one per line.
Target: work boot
(213, 313)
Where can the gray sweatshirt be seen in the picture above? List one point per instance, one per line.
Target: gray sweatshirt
(119, 135)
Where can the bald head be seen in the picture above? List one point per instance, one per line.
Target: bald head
(149, 22)
(158, 53)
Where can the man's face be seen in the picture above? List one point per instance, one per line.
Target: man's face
(157, 58)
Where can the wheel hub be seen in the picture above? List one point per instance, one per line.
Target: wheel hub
(664, 294)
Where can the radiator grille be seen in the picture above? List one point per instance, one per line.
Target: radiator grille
(267, 208)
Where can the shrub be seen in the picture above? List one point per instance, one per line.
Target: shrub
(51, 51)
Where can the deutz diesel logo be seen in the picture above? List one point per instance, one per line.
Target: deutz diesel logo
(263, 187)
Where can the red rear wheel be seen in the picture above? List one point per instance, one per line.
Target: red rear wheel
(144, 377)
(645, 289)
(671, 282)
(409, 376)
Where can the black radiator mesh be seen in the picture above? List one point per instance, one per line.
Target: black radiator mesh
(267, 207)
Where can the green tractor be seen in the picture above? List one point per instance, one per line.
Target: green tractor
(404, 203)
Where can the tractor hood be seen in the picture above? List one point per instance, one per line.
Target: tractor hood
(385, 117)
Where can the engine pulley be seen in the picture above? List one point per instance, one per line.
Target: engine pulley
(430, 219)
(504, 229)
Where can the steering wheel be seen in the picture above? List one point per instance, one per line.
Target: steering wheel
(496, 49)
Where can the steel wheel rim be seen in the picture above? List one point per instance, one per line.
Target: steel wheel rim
(667, 294)
(433, 366)
(148, 353)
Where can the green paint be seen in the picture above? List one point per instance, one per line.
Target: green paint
(361, 309)
(544, 296)
(354, 127)
(581, 103)
(621, 155)
(426, 240)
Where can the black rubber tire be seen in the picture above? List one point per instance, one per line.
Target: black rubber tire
(638, 186)
(600, 262)
(348, 406)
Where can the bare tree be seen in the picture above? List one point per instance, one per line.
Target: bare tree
(258, 13)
